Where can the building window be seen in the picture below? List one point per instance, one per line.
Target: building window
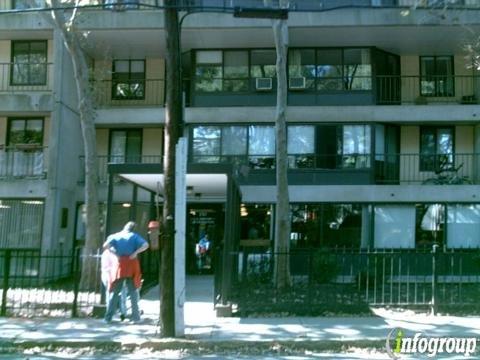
(209, 71)
(25, 132)
(394, 226)
(29, 63)
(263, 64)
(128, 80)
(261, 147)
(436, 76)
(463, 226)
(235, 67)
(214, 144)
(301, 64)
(331, 69)
(301, 146)
(126, 146)
(21, 224)
(206, 144)
(354, 146)
(436, 148)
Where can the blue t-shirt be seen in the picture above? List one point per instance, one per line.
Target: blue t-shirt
(125, 243)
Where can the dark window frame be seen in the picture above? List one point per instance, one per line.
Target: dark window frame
(343, 77)
(26, 119)
(436, 91)
(126, 156)
(438, 164)
(129, 80)
(13, 63)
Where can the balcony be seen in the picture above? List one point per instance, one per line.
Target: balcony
(351, 169)
(423, 90)
(22, 162)
(25, 77)
(104, 160)
(135, 93)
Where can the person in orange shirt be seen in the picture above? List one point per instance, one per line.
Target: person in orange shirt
(126, 245)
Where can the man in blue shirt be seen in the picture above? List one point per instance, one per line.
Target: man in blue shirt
(126, 245)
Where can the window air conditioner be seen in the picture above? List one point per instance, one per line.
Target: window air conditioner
(263, 84)
(297, 83)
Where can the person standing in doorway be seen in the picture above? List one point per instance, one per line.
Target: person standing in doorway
(126, 245)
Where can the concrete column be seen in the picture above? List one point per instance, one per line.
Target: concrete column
(64, 148)
(180, 234)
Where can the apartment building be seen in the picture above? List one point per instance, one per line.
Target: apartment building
(383, 134)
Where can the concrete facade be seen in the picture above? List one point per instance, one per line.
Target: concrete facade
(139, 35)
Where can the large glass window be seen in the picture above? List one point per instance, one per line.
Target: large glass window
(357, 69)
(394, 226)
(261, 146)
(128, 80)
(208, 71)
(436, 148)
(126, 145)
(206, 144)
(301, 146)
(327, 225)
(301, 64)
(329, 69)
(263, 64)
(436, 76)
(29, 63)
(354, 146)
(234, 140)
(463, 226)
(236, 71)
(25, 131)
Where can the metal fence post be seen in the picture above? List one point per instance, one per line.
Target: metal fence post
(6, 276)
(434, 279)
(76, 286)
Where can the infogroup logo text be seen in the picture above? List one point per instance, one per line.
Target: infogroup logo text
(398, 344)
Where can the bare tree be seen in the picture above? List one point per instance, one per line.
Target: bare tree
(173, 112)
(282, 218)
(73, 39)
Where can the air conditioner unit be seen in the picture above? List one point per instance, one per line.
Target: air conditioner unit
(263, 84)
(297, 83)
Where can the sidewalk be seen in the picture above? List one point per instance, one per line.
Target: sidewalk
(201, 325)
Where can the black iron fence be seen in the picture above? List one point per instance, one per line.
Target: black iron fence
(350, 281)
(140, 92)
(34, 283)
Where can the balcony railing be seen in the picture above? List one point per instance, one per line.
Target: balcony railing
(22, 77)
(104, 160)
(422, 90)
(148, 92)
(22, 161)
(448, 169)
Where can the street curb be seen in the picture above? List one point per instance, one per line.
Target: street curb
(199, 346)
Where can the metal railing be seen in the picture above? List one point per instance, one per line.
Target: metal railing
(453, 169)
(350, 281)
(456, 169)
(104, 160)
(423, 90)
(34, 283)
(147, 92)
(22, 77)
(25, 161)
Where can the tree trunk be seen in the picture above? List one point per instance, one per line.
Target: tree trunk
(87, 122)
(172, 121)
(282, 218)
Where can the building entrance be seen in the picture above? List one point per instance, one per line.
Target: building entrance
(204, 235)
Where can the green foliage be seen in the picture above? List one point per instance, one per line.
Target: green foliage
(324, 267)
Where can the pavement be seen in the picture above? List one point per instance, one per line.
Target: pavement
(202, 326)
